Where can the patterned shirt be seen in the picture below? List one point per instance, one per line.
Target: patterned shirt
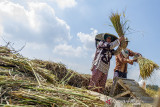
(103, 55)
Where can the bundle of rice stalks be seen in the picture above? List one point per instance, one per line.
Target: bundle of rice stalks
(146, 67)
(121, 27)
(115, 19)
(119, 23)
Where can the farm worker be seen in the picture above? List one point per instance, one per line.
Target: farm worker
(122, 60)
(101, 62)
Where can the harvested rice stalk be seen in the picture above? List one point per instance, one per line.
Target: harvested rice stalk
(24, 65)
(34, 73)
(81, 97)
(115, 19)
(120, 28)
(20, 63)
(118, 24)
(65, 91)
(19, 83)
(48, 100)
(146, 67)
(9, 105)
(46, 74)
(80, 102)
(4, 49)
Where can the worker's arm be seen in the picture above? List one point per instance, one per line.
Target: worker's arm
(131, 53)
(116, 42)
(111, 45)
(106, 45)
(124, 60)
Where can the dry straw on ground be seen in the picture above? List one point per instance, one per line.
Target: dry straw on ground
(25, 82)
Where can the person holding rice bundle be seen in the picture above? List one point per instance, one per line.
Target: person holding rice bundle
(122, 60)
(101, 62)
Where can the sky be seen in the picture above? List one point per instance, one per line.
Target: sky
(64, 30)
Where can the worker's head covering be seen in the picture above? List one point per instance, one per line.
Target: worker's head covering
(106, 36)
(126, 39)
(103, 36)
(113, 37)
(125, 53)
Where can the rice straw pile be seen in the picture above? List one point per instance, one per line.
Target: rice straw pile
(38, 83)
(146, 67)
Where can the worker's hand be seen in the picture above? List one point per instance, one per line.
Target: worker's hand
(131, 62)
(121, 38)
(139, 54)
(134, 60)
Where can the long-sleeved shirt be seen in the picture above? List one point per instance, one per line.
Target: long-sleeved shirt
(103, 55)
(121, 61)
